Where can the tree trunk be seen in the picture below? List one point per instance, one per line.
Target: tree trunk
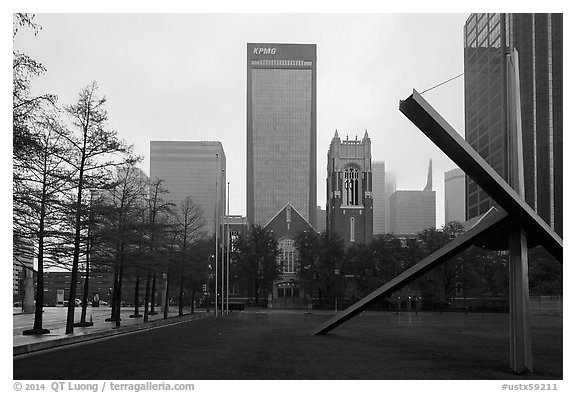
(40, 277)
(85, 294)
(146, 297)
(76, 257)
(166, 298)
(153, 295)
(192, 301)
(87, 276)
(119, 297)
(136, 299)
(112, 302)
(181, 294)
(38, 310)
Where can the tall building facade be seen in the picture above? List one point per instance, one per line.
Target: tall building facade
(383, 186)
(281, 130)
(192, 168)
(379, 197)
(22, 266)
(538, 41)
(389, 189)
(413, 211)
(349, 207)
(320, 219)
(454, 196)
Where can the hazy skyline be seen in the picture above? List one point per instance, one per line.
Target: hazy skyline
(183, 77)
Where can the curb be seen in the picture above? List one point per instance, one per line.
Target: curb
(60, 342)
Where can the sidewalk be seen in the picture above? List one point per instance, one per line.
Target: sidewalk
(54, 319)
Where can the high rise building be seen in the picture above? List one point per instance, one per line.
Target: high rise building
(389, 189)
(22, 266)
(383, 186)
(538, 41)
(320, 219)
(349, 205)
(454, 196)
(281, 130)
(413, 211)
(196, 169)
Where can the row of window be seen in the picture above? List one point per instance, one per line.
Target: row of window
(285, 63)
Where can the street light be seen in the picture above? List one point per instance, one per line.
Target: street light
(216, 230)
(228, 249)
(208, 282)
(222, 260)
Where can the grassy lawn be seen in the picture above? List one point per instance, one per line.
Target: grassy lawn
(277, 346)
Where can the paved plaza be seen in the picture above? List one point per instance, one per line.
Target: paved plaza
(275, 344)
(54, 319)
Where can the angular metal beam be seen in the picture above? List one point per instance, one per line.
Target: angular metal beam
(454, 146)
(490, 222)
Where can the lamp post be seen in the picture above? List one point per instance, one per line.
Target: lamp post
(228, 249)
(222, 259)
(216, 229)
(208, 268)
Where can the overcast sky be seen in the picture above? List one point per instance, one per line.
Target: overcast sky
(183, 77)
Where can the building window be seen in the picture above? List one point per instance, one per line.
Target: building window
(351, 186)
(287, 256)
(352, 227)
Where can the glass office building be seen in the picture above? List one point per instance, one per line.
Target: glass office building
(538, 41)
(191, 168)
(281, 130)
(454, 196)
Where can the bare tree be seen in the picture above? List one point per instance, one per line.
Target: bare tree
(94, 148)
(188, 225)
(157, 210)
(40, 179)
(25, 107)
(126, 201)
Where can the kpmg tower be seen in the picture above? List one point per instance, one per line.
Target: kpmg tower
(281, 130)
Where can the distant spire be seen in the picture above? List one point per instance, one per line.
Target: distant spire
(429, 181)
(366, 138)
(336, 134)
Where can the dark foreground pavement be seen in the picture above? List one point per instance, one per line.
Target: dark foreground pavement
(277, 346)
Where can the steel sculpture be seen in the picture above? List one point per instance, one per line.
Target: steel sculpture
(517, 220)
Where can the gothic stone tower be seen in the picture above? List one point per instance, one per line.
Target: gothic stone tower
(349, 205)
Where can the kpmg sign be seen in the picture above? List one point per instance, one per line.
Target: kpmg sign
(264, 51)
(282, 51)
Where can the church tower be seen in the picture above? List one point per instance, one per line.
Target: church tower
(349, 206)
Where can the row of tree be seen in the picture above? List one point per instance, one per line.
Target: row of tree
(80, 203)
(326, 269)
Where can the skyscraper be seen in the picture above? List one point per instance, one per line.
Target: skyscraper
(281, 130)
(454, 196)
(389, 189)
(413, 211)
(349, 206)
(378, 196)
(538, 41)
(196, 169)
